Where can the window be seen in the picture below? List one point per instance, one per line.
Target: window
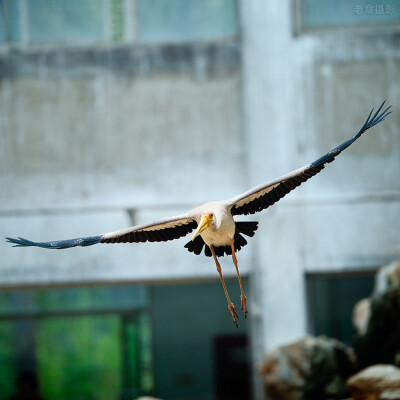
(149, 21)
(185, 20)
(36, 21)
(59, 20)
(122, 342)
(79, 343)
(315, 14)
(331, 298)
(9, 21)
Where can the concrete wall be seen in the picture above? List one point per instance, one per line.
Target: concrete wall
(303, 95)
(95, 140)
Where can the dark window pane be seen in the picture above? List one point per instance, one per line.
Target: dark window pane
(185, 20)
(7, 364)
(331, 300)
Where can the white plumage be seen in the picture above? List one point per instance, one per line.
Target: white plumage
(222, 225)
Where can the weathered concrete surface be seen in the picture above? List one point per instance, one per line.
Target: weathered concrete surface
(116, 141)
(310, 98)
(89, 137)
(61, 60)
(304, 95)
(161, 136)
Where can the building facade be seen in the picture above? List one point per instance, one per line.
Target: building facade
(132, 118)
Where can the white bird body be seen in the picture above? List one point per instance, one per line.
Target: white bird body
(215, 228)
(222, 226)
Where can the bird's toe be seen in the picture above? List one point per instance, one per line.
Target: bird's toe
(232, 309)
(243, 301)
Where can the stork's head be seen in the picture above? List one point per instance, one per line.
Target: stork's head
(206, 219)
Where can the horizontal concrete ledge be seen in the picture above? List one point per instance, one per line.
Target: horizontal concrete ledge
(289, 201)
(372, 197)
(353, 265)
(206, 58)
(41, 285)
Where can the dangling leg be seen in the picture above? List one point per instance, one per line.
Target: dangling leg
(242, 296)
(231, 307)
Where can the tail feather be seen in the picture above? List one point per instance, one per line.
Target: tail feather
(58, 244)
(246, 228)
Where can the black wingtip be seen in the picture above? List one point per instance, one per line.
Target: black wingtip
(369, 123)
(20, 242)
(58, 245)
(376, 118)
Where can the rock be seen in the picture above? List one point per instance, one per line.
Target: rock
(391, 394)
(361, 316)
(387, 278)
(377, 320)
(312, 368)
(380, 343)
(282, 371)
(375, 382)
(146, 398)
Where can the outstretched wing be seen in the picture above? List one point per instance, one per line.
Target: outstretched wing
(159, 231)
(263, 196)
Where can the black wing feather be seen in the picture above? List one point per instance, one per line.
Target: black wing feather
(156, 232)
(156, 235)
(282, 187)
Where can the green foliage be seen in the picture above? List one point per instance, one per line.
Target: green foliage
(79, 357)
(7, 370)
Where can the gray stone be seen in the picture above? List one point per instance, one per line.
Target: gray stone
(147, 398)
(312, 368)
(391, 394)
(361, 315)
(375, 382)
(387, 278)
(377, 320)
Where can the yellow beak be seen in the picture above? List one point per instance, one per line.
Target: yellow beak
(203, 224)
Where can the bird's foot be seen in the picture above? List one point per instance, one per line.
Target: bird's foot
(232, 309)
(243, 301)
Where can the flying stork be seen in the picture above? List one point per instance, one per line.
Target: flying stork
(215, 228)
